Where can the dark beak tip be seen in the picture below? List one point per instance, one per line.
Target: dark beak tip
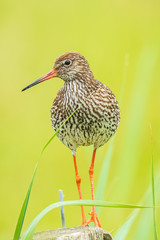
(23, 89)
(31, 85)
(41, 79)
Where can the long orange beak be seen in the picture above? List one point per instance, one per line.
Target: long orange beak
(47, 76)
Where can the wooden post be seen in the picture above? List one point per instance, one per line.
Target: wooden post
(74, 233)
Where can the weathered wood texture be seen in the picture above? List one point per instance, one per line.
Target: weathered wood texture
(75, 233)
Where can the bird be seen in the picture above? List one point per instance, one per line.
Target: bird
(96, 113)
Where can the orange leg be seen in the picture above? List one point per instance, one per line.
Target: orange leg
(93, 214)
(78, 181)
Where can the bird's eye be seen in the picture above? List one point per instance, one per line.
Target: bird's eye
(67, 62)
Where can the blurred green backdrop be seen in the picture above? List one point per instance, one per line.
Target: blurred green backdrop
(121, 41)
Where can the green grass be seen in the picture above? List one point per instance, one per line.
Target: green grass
(24, 209)
(28, 234)
(25, 204)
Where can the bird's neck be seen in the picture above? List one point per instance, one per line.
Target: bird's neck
(79, 87)
(77, 83)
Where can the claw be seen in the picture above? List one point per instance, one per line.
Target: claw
(93, 218)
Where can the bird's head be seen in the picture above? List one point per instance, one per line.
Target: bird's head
(69, 66)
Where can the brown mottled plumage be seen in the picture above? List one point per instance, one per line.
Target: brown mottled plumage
(97, 117)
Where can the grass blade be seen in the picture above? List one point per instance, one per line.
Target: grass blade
(58, 130)
(153, 197)
(28, 234)
(25, 204)
(24, 208)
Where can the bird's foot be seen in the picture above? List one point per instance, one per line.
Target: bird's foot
(93, 218)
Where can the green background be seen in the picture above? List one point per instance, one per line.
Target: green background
(121, 41)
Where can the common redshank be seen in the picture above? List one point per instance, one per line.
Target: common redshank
(96, 119)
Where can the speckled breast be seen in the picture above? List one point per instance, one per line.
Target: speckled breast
(95, 121)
